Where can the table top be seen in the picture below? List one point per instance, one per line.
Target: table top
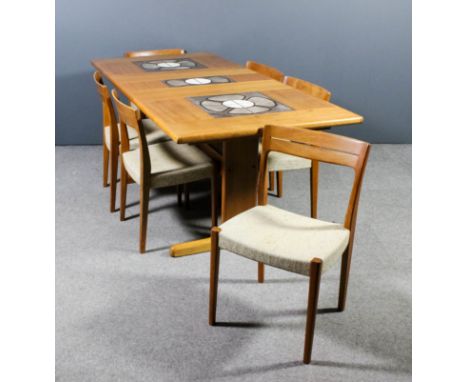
(201, 97)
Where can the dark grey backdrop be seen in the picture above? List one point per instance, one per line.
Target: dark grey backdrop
(359, 49)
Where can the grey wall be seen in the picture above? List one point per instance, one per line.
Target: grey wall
(359, 49)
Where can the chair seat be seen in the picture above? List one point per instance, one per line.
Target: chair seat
(283, 239)
(282, 162)
(153, 134)
(171, 164)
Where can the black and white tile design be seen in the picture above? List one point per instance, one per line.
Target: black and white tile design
(180, 82)
(167, 65)
(230, 105)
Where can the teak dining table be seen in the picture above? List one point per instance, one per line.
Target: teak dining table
(177, 108)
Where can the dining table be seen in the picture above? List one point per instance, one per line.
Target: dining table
(221, 106)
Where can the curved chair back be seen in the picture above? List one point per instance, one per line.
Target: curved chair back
(108, 112)
(317, 146)
(129, 117)
(265, 69)
(308, 87)
(156, 52)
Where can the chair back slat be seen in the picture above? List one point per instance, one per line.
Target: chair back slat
(266, 70)
(156, 52)
(308, 87)
(321, 147)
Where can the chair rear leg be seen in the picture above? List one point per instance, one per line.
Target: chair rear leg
(214, 275)
(261, 273)
(279, 183)
(179, 195)
(314, 287)
(271, 181)
(344, 277)
(123, 191)
(105, 160)
(144, 201)
(214, 197)
(314, 178)
(114, 161)
(187, 196)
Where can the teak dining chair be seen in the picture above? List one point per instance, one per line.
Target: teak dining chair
(155, 52)
(285, 240)
(158, 165)
(111, 137)
(161, 52)
(279, 162)
(265, 70)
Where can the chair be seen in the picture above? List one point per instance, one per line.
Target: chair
(156, 52)
(161, 52)
(111, 137)
(265, 70)
(279, 162)
(289, 241)
(158, 165)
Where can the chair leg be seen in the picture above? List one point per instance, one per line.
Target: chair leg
(187, 196)
(261, 273)
(123, 191)
(144, 200)
(214, 275)
(271, 181)
(105, 172)
(314, 287)
(279, 183)
(214, 198)
(179, 195)
(344, 277)
(114, 162)
(314, 178)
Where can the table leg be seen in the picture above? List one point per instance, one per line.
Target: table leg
(238, 188)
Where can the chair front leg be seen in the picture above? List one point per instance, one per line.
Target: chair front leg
(144, 201)
(214, 275)
(314, 287)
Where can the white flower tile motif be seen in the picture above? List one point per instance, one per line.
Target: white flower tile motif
(195, 81)
(168, 65)
(230, 105)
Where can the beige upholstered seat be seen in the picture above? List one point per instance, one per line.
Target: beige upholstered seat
(283, 239)
(153, 134)
(171, 164)
(281, 162)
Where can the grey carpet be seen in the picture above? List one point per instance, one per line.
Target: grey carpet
(121, 316)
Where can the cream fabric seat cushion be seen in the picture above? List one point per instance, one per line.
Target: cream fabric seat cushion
(171, 164)
(277, 161)
(283, 239)
(153, 134)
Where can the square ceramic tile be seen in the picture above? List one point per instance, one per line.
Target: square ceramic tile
(231, 105)
(168, 64)
(195, 81)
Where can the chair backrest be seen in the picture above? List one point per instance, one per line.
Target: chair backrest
(129, 117)
(319, 146)
(156, 52)
(265, 69)
(308, 87)
(108, 112)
